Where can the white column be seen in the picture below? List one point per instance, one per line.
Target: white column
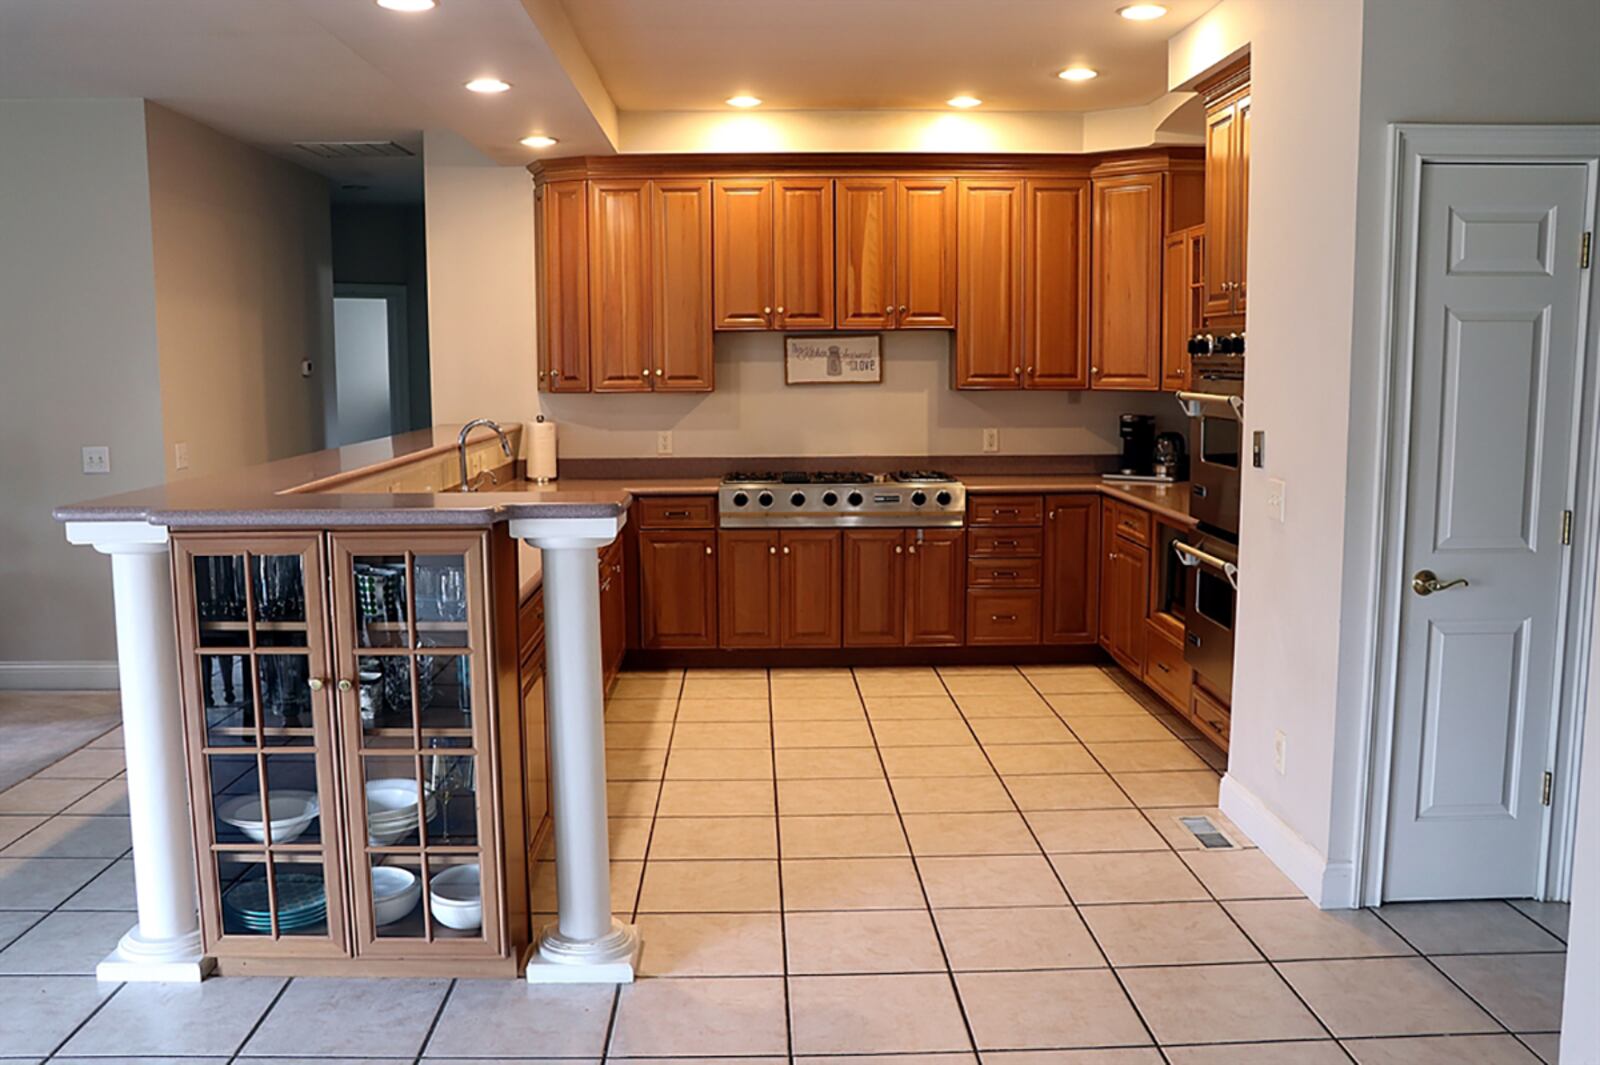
(586, 944)
(165, 944)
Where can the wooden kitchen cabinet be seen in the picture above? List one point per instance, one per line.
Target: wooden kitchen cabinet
(773, 253)
(989, 329)
(681, 354)
(1005, 538)
(935, 587)
(741, 228)
(864, 252)
(613, 613)
(1125, 331)
(619, 273)
(810, 587)
(1227, 200)
(1055, 334)
(1071, 569)
(564, 287)
(1182, 303)
(677, 588)
(895, 253)
(747, 588)
(875, 605)
(1124, 592)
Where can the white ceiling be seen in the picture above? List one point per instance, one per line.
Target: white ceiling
(835, 55)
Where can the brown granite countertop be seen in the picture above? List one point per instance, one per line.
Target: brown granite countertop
(1170, 501)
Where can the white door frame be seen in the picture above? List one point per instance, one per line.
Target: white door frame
(1411, 145)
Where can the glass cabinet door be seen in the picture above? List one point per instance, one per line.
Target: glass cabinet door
(412, 654)
(257, 711)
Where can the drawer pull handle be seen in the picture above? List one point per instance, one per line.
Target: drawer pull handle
(1002, 617)
(1162, 666)
(675, 514)
(1005, 573)
(1005, 510)
(1005, 543)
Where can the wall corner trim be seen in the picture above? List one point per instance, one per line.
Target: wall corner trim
(58, 676)
(1328, 884)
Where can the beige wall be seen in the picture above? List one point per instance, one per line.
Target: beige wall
(243, 275)
(78, 366)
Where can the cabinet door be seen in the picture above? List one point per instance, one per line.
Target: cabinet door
(1111, 604)
(1241, 203)
(1125, 331)
(564, 287)
(936, 587)
(619, 278)
(677, 588)
(1071, 569)
(411, 631)
(864, 253)
(989, 336)
(741, 233)
(747, 588)
(810, 587)
(803, 243)
(1136, 587)
(925, 253)
(1176, 323)
(681, 297)
(1056, 284)
(535, 757)
(252, 640)
(874, 587)
(1221, 202)
(613, 613)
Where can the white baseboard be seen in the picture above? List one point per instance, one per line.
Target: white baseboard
(58, 676)
(1328, 884)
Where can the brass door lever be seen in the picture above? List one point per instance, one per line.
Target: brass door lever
(1426, 582)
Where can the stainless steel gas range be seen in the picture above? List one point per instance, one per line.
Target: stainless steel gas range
(786, 500)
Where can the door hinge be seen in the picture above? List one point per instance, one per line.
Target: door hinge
(1583, 251)
(1566, 526)
(1549, 782)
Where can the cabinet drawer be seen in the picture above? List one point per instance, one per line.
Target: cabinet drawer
(1209, 716)
(1131, 523)
(1005, 510)
(1005, 543)
(998, 617)
(1004, 573)
(677, 512)
(1165, 671)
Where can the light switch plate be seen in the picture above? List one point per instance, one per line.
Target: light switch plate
(664, 442)
(1275, 494)
(991, 440)
(96, 460)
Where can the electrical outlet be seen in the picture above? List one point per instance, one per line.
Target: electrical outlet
(1275, 493)
(664, 442)
(96, 460)
(991, 440)
(1280, 750)
(180, 456)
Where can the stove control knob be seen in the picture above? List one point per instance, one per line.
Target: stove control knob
(740, 499)
(943, 499)
(918, 498)
(830, 499)
(854, 499)
(765, 499)
(798, 499)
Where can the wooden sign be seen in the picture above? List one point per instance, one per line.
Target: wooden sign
(831, 359)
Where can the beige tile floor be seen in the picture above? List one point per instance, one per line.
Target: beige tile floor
(943, 866)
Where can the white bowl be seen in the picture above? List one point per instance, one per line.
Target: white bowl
(456, 897)
(292, 814)
(395, 892)
(392, 809)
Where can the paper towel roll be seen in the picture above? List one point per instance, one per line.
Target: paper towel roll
(541, 436)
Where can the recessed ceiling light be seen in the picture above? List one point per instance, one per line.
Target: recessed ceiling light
(1078, 74)
(1141, 12)
(963, 101)
(538, 140)
(488, 86)
(407, 5)
(744, 101)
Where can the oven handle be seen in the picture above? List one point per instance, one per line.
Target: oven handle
(1191, 557)
(1191, 402)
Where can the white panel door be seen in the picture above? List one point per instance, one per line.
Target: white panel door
(1491, 472)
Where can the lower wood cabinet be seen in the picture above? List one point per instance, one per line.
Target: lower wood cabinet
(936, 587)
(1071, 569)
(747, 588)
(997, 617)
(677, 588)
(613, 612)
(779, 589)
(1165, 671)
(1124, 594)
(904, 587)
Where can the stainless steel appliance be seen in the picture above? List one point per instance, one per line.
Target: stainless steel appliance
(904, 498)
(1216, 431)
(1210, 595)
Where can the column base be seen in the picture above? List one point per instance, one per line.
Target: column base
(613, 959)
(140, 961)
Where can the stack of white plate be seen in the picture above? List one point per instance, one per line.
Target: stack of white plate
(392, 809)
(292, 813)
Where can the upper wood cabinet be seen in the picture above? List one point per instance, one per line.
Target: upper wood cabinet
(864, 252)
(1182, 302)
(619, 276)
(989, 289)
(681, 341)
(773, 260)
(895, 253)
(1126, 327)
(564, 287)
(1055, 237)
(1227, 195)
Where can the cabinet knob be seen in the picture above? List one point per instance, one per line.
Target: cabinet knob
(1094, 370)
(772, 550)
(708, 549)
(644, 373)
(315, 684)
(786, 550)
(766, 310)
(345, 685)
(780, 310)
(658, 371)
(912, 549)
(888, 310)
(902, 308)
(554, 374)
(897, 549)
(1017, 372)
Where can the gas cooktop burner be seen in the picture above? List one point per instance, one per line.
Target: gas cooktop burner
(908, 498)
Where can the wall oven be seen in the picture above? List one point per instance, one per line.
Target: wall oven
(1210, 596)
(1216, 439)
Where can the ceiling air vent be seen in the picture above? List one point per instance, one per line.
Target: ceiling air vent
(355, 149)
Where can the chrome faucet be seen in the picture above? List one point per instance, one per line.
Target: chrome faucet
(468, 485)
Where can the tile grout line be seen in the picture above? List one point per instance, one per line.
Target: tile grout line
(259, 1021)
(1505, 1028)
(777, 836)
(433, 1025)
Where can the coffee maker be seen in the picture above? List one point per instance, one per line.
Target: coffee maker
(1138, 445)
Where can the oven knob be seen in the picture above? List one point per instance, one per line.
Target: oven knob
(830, 498)
(854, 499)
(798, 499)
(765, 499)
(740, 499)
(943, 499)
(918, 498)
